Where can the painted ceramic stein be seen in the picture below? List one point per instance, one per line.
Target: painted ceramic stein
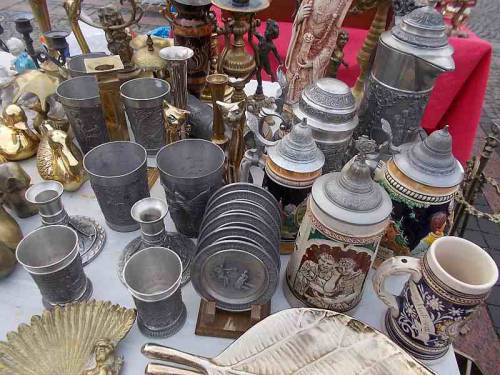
(445, 288)
(347, 213)
(422, 181)
(409, 59)
(291, 168)
(330, 109)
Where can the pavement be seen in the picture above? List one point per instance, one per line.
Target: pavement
(481, 342)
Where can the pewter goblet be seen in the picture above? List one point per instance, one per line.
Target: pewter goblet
(80, 99)
(143, 101)
(153, 277)
(50, 254)
(191, 170)
(118, 175)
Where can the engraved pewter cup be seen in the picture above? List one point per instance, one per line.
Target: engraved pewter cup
(153, 277)
(47, 197)
(50, 255)
(177, 61)
(80, 99)
(408, 60)
(118, 175)
(191, 170)
(445, 288)
(217, 84)
(150, 214)
(143, 101)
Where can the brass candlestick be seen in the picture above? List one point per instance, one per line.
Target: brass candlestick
(235, 61)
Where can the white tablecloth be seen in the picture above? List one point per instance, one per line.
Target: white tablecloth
(20, 298)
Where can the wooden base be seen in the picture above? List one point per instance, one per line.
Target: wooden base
(286, 247)
(219, 323)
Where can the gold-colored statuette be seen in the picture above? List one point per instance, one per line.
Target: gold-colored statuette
(10, 235)
(234, 118)
(282, 344)
(59, 159)
(17, 140)
(78, 339)
(176, 124)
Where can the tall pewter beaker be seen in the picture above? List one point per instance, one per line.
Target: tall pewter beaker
(80, 99)
(177, 58)
(408, 61)
(143, 101)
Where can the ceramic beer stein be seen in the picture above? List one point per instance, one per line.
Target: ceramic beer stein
(347, 213)
(422, 181)
(445, 288)
(291, 168)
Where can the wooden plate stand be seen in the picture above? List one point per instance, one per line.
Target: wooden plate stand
(219, 323)
(286, 247)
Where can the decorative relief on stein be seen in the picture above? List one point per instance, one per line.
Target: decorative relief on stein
(151, 136)
(332, 267)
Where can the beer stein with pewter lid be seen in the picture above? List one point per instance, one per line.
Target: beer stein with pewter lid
(422, 181)
(347, 213)
(408, 61)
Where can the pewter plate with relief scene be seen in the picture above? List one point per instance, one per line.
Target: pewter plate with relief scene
(242, 234)
(235, 275)
(91, 237)
(246, 195)
(177, 242)
(242, 205)
(242, 219)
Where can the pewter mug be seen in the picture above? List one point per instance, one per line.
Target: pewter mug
(80, 99)
(445, 288)
(153, 277)
(118, 175)
(47, 196)
(143, 101)
(51, 255)
(191, 170)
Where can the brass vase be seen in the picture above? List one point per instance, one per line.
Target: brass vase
(217, 84)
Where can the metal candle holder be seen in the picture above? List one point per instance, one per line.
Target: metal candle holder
(47, 196)
(234, 60)
(24, 27)
(150, 214)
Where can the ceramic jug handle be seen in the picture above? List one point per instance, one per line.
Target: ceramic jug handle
(394, 266)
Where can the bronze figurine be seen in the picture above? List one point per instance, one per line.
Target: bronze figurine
(14, 182)
(337, 57)
(176, 124)
(106, 360)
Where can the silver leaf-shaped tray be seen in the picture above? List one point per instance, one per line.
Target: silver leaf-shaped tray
(297, 341)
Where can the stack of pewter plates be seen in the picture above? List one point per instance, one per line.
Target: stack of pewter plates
(237, 263)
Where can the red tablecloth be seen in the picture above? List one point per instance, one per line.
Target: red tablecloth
(457, 98)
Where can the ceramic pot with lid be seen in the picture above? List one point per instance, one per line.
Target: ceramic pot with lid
(330, 109)
(408, 61)
(422, 181)
(347, 213)
(292, 166)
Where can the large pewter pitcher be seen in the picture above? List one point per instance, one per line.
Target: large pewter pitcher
(408, 61)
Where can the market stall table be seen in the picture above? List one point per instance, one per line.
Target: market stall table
(20, 298)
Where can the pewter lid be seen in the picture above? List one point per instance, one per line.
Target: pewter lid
(422, 33)
(297, 151)
(351, 195)
(328, 104)
(431, 162)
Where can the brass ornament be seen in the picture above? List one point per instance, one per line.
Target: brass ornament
(41, 13)
(73, 9)
(71, 337)
(59, 159)
(147, 53)
(176, 124)
(14, 181)
(17, 140)
(38, 83)
(283, 344)
(10, 236)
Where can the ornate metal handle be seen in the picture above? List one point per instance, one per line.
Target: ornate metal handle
(164, 353)
(135, 17)
(394, 266)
